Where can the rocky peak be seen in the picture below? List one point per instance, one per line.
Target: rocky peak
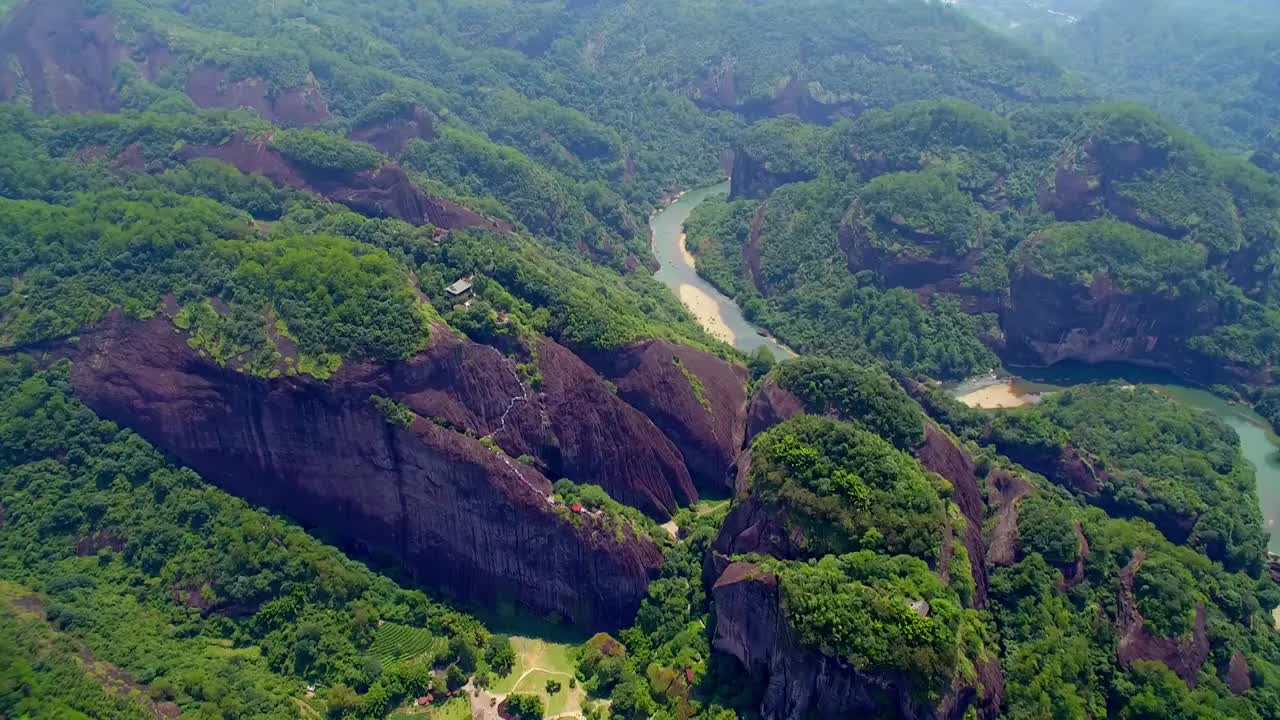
(801, 683)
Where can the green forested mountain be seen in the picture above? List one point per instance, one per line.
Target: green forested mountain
(1210, 66)
(1011, 217)
(330, 348)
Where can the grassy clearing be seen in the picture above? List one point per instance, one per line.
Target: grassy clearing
(538, 661)
(534, 654)
(535, 683)
(227, 649)
(704, 508)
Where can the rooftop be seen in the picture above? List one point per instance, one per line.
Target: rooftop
(460, 286)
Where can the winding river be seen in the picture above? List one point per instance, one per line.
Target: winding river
(717, 314)
(722, 317)
(1259, 443)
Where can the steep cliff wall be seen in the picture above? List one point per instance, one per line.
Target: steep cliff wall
(770, 406)
(940, 454)
(801, 683)
(1047, 320)
(915, 266)
(719, 90)
(752, 178)
(695, 398)
(454, 514)
(572, 425)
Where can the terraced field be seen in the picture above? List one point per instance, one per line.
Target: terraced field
(394, 642)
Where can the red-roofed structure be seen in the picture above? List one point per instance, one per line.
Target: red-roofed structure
(576, 507)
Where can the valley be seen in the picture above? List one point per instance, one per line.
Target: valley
(402, 359)
(718, 315)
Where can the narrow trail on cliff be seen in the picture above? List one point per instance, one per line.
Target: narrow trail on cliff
(511, 405)
(502, 426)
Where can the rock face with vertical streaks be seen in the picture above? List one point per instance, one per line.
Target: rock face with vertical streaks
(453, 513)
(697, 399)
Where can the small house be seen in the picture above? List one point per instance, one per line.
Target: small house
(576, 507)
(461, 289)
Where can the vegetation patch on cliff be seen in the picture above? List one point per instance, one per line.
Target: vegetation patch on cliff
(861, 394)
(842, 488)
(884, 614)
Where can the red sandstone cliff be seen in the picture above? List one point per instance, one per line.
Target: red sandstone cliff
(392, 135)
(1047, 321)
(65, 60)
(573, 426)
(384, 192)
(719, 90)
(454, 514)
(748, 530)
(799, 682)
(1184, 656)
(210, 87)
(59, 56)
(695, 398)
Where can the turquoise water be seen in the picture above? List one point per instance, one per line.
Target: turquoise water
(1258, 442)
(667, 226)
(1261, 446)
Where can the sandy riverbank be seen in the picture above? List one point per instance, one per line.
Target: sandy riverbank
(685, 255)
(1000, 395)
(706, 311)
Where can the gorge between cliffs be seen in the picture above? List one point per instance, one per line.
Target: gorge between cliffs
(1260, 443)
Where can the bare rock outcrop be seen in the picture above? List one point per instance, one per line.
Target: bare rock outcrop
(456, 515)
(59, 57)
(940, 454)
(571, 425)
(1183, 655)
(753, 178)
(1047, 320)
(1008, 490)
(719, 89)
(384, 192)
(771, 405)
(697, 399)
(1237, 676)
(209, 86)
(390, 136)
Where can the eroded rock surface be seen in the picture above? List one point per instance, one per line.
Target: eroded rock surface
(453, 513)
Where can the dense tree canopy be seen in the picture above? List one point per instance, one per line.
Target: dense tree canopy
(208, 603)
